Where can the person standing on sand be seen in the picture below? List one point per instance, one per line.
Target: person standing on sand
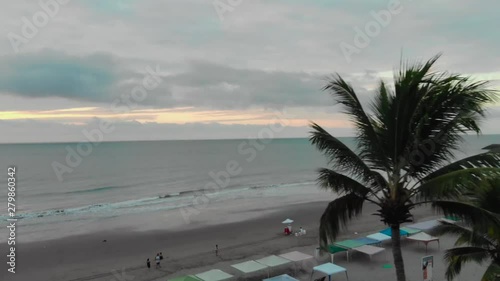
(216, 250)
(161, 255)
(148, 263)
(158, 260)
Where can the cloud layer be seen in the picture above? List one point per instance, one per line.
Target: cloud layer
(255, 57)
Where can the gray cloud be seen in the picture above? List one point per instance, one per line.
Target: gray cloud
(53, 74)
(264, 54)
(103, 78)
(218, 86)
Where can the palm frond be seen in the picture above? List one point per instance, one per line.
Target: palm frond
(434, 115)
(455, 183)
(368, 139)
(341, 156)
(483, 160)
(337, 214)
(492, 273)
(469, 213)
(465, 235)
(457, 257)
(342, 184)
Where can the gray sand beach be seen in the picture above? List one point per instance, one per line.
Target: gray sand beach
(191, 251)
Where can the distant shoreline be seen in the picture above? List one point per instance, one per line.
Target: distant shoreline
(191, 140)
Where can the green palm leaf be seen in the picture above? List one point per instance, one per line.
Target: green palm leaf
(457, 257)
(403, 154)
(483, 160)
(465, 235)
(455, 183)
(337, 214)
(492, 273)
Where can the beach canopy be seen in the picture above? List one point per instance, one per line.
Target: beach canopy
(388, 232)
(349, 244)
(214, 275)
(249, 266)
(354, 243)
(273, 261)
(425, 225)
(369, 250)
(367, 240)
(424, 238)
(296, 256)
(403, 231)
(379, 236)
(284, 277)
(330, 269)
(410, 230)
(186, 278)
(287, 221)
(332, 249)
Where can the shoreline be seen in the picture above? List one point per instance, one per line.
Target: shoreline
(87, 257)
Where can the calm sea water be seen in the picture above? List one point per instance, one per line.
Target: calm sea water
(119, 178)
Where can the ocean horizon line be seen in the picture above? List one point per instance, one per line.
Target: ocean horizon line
(176, 140)
(159, 140)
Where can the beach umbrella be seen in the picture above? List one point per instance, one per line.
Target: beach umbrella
(287, 221)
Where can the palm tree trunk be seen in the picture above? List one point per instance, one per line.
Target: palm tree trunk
(396, 253)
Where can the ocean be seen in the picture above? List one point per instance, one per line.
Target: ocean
(118, 183)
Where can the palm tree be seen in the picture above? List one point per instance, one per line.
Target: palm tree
(404, 146)
(480, 242)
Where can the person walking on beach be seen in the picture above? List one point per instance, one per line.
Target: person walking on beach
(161, 255)
(216, 250)
(158, 260)
(148, 263)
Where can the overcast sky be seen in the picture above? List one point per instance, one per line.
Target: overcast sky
(183, 69)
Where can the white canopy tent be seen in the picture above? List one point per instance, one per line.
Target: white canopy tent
(249, 266)
(284, 277)
(369, 250)
(379, 237)
(424, 238)
(272, 261)
(295, 257)
(214, 275)
(425, 225)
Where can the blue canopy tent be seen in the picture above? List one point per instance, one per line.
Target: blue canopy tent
(403, 231)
